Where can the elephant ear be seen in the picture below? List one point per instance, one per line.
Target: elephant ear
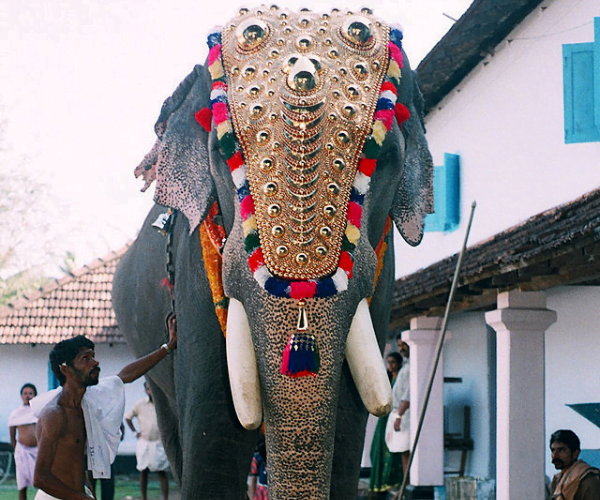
(178, 160)
(414, 196)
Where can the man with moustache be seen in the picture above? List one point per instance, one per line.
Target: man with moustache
(85, 412)
(576, 479)
(401, 404)
(21, 423)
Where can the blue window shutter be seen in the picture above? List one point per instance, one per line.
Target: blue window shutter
(581, 81)
(52, 380)
(597, 71)
(446, 196)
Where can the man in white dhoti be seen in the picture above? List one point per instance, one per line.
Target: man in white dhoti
(149, 453)
(21, 423)
(85, 411)
(401, 404)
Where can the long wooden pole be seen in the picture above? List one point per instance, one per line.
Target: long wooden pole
(438, 352)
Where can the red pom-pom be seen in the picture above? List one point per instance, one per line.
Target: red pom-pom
(389, 86)
(256, 260)
(235, 161)
(402, 113)
(367, 166)
(204, 118)
(346, 263)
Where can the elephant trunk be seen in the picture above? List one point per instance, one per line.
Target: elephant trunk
(300, 413)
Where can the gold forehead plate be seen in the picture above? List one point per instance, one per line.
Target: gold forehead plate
(302, 92)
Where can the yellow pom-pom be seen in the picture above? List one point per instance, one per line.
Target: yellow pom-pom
(216, 70)
(352, 233)
(249, 225)
(394, 69)
(379, 132)
(223, 128)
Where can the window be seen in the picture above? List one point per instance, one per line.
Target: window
(581, 84)
(52, 380)
(446, 196)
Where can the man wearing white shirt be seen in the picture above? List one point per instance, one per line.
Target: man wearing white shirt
(73, 417)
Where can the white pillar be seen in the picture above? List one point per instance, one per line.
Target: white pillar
(428, 463)
(520, 322)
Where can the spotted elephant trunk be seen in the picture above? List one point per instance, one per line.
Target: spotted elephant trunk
(300, 413)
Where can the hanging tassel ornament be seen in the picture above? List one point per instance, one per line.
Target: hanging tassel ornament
(301, 354)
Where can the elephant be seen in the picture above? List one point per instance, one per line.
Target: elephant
(281, 165)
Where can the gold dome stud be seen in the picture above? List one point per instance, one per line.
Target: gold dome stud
(270, 189)
(325, 231)
(274, 210)
(333, 189)
(266, 164)
(321, 251)
(251, 34)
(339, 164)
(329, 210)
(281, 251)
(277, 231)
(263, 136)
(302, 259)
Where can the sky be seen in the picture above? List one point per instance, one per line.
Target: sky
(81, 86)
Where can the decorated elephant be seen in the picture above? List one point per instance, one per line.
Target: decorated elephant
(283, 162)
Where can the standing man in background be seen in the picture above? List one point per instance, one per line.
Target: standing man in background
(21, 423)
(149, 452)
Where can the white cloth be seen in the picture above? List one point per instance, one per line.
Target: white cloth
(22, 416)
(399, 441)
(42, 495)
(25, 464)
(150, 455)
(103, 407)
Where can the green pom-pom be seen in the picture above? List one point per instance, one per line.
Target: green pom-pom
(252, 242)
(227, 144)
(371, 149)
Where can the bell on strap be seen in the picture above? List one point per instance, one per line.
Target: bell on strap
(301, 354)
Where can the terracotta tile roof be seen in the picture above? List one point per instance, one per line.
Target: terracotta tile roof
(475, 35)
(560, 246)
(78, 303)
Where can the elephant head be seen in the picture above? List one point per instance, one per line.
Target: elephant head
(303, 134)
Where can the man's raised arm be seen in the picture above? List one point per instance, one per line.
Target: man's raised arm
(140, 366)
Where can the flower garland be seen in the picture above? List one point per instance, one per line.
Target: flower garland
(387, 107)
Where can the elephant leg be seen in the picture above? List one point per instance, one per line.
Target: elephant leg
(216, 449)
(349, 439)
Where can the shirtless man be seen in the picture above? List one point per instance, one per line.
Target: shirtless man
(21, 423)
(62, 434)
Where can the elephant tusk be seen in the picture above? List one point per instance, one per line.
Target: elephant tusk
(366, 364)
(243, 371)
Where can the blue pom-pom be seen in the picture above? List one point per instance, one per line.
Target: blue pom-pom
(396, 36)
(214, 38)
(384, 103)
(325, 288)
(243, 191)
(356, 196)
(277, 287)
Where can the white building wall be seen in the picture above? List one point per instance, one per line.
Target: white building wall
(572, 363)
(25, 363)
(466, 355)
(506, 122)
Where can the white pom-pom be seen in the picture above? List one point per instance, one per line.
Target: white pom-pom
(340, 279)
(388, 94)
(361, 183)
(239, 176)
(261, 275)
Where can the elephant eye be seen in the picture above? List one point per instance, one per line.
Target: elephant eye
(252, 34)
(357, 31)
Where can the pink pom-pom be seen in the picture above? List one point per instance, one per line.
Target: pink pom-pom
(303, 289)
(396, 54)
(214, 54)
(220, 112)
(247, 207)
(386, 116)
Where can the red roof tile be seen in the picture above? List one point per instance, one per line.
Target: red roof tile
(78, 303)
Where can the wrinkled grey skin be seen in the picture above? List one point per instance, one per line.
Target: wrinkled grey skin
(314, 425)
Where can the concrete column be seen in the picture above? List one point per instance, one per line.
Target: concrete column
(428, 463)
(520, 322)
